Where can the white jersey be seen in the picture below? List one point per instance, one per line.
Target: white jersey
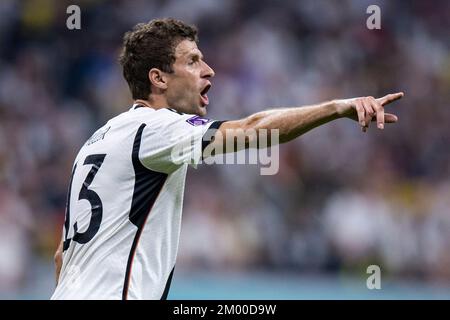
(124, 205)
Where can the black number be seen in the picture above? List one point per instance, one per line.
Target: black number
(67, 220)
(90, 195)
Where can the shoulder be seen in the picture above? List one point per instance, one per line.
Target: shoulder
(149, 114)
(168, 117)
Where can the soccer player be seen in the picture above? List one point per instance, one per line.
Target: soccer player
(125, 198)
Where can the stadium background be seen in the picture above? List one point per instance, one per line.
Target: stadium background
(342, 200)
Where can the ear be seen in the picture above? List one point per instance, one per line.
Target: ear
(157, 78)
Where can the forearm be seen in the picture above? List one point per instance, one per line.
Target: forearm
(293, 122)
(289, 123)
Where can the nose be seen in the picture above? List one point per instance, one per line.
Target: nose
(208, 72)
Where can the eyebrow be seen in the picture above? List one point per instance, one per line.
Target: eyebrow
(196, 54)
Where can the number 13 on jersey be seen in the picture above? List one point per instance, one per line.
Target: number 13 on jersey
(96, 160)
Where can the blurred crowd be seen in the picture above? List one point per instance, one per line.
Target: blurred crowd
(342, 199)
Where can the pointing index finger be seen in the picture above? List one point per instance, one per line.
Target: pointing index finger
(390, 98)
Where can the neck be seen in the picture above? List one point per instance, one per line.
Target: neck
(155, 102)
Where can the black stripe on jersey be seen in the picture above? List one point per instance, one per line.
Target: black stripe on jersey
(207, 137)
(147, 186)
(166, 289)
(138, 106)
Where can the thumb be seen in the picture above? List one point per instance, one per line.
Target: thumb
(388, 118)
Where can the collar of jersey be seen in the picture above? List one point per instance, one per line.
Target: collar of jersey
(138, 105)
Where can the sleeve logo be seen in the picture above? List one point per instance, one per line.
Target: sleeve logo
(198, 121)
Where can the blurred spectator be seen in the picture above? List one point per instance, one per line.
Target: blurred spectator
(16, 224)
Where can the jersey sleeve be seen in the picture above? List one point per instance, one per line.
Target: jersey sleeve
(171, 140)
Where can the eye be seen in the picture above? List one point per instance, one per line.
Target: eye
(193, 60)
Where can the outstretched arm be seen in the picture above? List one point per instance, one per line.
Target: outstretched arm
(293, 122)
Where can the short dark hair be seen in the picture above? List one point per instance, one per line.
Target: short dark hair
(151, 45)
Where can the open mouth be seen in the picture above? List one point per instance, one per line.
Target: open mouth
(204, 96)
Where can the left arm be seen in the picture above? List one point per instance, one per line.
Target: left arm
(58, 260)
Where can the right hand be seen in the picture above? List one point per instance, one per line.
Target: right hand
(367, 109)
